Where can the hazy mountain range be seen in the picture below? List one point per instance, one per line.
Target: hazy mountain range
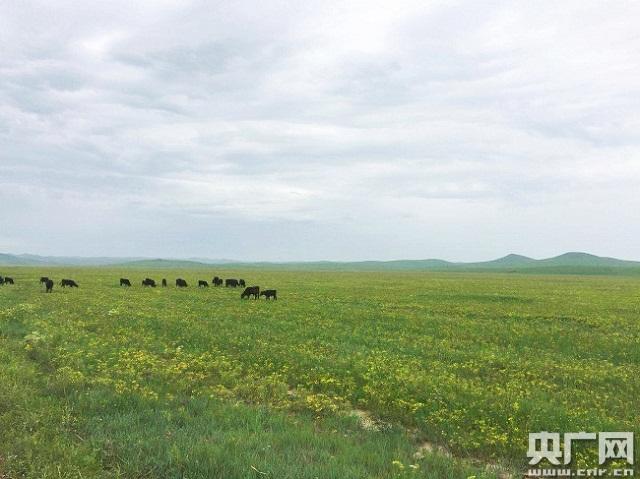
(568, 263)
(7, 259)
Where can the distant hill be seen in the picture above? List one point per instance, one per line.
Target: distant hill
(14, 260)
(212, 261)
(396, 265)
(509, 261)
(164, 263)
(34, 260)
(568, 263)
(586, 259)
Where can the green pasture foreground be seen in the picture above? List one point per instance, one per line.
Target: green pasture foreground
(347, 375)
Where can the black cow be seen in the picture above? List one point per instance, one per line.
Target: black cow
(68, 282)
(1, 280)
(202, 284)
(241, 283)
(181, 283)
(251, 291)
(231, 283)
(269, 293)
(44, 279)
(125, 282)
(8, 280)
(148, 282)
(49, 285)
(164, 282)
(217, 281)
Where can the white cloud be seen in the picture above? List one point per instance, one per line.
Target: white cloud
(396, 128)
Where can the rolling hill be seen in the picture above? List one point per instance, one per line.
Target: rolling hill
(586, 259)
(567, 263)
(164, 264)
(34, 260)
(15, 260)
(509, 261)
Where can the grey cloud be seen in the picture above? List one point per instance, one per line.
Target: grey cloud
(344, 130)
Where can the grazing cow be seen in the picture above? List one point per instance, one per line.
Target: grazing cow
(251, 291)
(181, 283)
(202, 284)
(125, 282)
(44, 279)
(148, 282)
(269, 293)
(164, 282)
(217, 281)
(1, 280)
(49, 285)
(68, 282)
(8, 280)
(231, 283)
(241, 283)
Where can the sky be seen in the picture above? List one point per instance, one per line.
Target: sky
(334, 130)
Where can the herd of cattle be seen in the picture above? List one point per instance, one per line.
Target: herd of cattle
(251, 291)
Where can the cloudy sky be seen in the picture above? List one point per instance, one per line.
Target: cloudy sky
(320, 130)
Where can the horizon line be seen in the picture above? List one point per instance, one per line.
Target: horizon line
(195, 259)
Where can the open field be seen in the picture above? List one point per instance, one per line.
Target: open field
(347, 375)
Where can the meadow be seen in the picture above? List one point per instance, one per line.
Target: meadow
(347, 375)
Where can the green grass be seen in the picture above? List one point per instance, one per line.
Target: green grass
(110, 382)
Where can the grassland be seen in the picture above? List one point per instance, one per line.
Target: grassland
(347, 375)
